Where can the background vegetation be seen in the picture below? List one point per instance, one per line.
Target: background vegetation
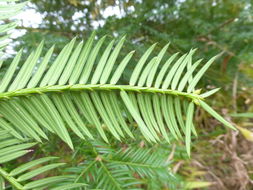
(221, 159)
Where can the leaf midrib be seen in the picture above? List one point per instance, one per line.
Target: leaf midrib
(90, 87)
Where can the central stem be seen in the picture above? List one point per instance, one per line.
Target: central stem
(105, 87)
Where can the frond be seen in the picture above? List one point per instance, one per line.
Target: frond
(124, 169)
(22, 176)
(82, 86)
(143, 161)
(99, 175)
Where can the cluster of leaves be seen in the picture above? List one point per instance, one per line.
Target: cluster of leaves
(80, 91)
(132, 167)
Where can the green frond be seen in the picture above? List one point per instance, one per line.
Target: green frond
(132, 168)
(82, 88)
(22, 177)
(143, 161)
(150, 165)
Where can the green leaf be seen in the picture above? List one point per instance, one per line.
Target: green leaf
(70, 64)
(166, 114)
(66, 98)
(206, 107)
(12, 156)
(43, 183)
(70, 186)
(136, 116)
(139, 66)
(188, 75)
(61, 64)
(38, 171)
(12, 149)
(121, 68)
(61, 129)
(10, 72)
(102, 63)
(180, 70)
(209, 93)
(172, 72)
(2, 183)
(82, 59)
(101, 110)
(115, 105)
(200, 73)
(30, 165)
(110, 112)
(27, 118)
(164, 70)
(144, 112)
(37, 76)
(188, 126)
(64, 113)
(90, 62)
(111, 61)
(17, 120)
(86, 101)
(146, 71)
(197, 184)
(21, 73)
(246, 115)
(159, 117)
(9, 142)
(25, 72)
(11, 130)
(154, 69)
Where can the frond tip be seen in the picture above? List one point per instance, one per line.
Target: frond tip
(82, 86)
